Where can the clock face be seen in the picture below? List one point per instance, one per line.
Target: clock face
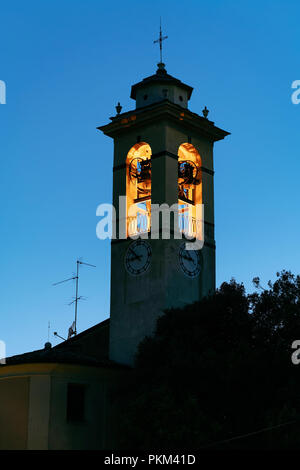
(190, 261)
(138, 257)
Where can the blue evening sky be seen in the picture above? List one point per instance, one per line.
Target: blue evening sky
(66, 64)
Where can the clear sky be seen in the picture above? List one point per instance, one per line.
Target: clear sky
(66, 64)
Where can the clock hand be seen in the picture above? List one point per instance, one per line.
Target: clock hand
(189, 258)
(134, 254)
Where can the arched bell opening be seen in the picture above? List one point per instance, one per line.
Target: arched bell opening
(138, 189)
(190, 191)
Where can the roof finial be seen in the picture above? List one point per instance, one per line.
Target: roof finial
(118, 108)
(160, 41)
(205, 112)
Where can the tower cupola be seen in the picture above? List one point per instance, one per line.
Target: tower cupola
(159, 87)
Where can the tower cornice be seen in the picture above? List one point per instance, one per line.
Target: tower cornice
(164, 110)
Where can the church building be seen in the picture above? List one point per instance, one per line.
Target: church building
(59, 397)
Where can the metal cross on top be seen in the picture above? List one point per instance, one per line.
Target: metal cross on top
(160, 40)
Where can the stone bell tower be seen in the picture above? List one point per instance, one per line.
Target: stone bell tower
(163, 154)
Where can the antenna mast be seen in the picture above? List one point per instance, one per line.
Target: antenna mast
(78, 262)
(75, 301)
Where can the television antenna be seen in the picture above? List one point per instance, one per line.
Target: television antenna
(56, 334)
(75, 301)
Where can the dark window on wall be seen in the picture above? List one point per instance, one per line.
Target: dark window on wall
(165, 93)
(76, 402)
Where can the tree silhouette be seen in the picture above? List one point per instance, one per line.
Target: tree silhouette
(218, 372)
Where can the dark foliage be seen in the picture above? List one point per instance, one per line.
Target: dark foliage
(219, 369)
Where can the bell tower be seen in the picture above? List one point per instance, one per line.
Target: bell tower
(163, 155)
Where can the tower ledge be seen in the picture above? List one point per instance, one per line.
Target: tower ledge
(163, 110)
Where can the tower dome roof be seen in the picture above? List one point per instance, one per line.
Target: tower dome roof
(160, 86)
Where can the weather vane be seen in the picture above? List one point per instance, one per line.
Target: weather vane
(160, 41)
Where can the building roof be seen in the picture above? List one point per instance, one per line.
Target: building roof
(89, 347)
(66, 356)
(161, 76)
